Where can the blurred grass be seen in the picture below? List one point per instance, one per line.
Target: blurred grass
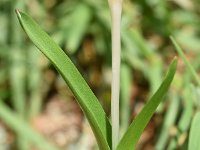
(82, 29)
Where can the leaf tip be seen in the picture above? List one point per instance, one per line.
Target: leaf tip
(175, 61)
(18, 13)
(175, 58)
(173, 41)
(171, 37)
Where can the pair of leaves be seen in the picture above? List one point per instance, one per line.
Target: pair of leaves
(85, 97)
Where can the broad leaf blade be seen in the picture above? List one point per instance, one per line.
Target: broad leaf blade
(194, 137)
(132, 135)
(85, 97)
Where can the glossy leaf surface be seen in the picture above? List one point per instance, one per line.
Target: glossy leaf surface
(85, 97)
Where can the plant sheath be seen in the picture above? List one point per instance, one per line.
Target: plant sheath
(116, 9)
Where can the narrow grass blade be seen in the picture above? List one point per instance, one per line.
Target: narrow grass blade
(186, 115)
(169, 120)
(34, 83)
(194, 136)
(78, 26)
(23, 129)
(131, 137)
(17, 71)
(190, 67)
(126, 78)
(85, 97)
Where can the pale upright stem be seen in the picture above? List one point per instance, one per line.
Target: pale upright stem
(116, 9)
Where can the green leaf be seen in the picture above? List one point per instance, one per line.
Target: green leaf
(23, 129)
(132, 135)
(168, 121)
(84, 95)
(194, 136)
(190, 67)
(126, 77)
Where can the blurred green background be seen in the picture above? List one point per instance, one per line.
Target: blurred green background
(33, 90)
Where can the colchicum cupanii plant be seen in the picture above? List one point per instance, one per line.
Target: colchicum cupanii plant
(107, 134)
